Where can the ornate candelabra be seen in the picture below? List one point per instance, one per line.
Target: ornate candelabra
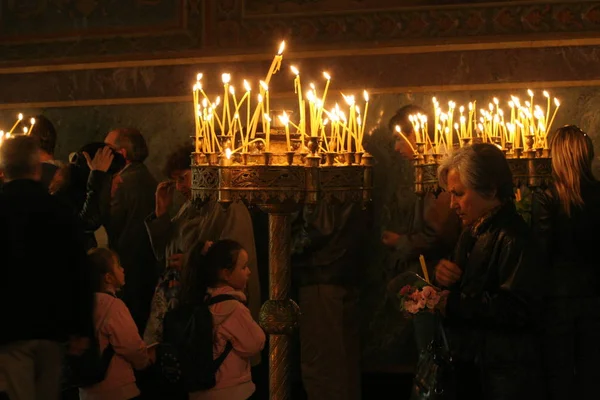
(522, 136)
(280, 182)
(531, 168)
(279, 165)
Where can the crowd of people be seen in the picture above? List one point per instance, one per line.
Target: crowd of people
(520, 315)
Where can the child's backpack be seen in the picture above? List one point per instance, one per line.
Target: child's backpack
(90, 367)
(185, 357)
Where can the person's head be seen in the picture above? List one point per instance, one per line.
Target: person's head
(178, 167)
(107, 272)
(20, 158)
(129, 142)
(44, 131)
(572, 157)
(478, 179)
(402, 119)
(225, 263)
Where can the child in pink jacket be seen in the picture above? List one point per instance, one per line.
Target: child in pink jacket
(114, 325)
(224, 270)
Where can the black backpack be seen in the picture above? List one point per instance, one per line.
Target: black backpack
(90, 367)
(185, 357)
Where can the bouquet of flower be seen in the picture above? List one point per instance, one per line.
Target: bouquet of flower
(416, 299)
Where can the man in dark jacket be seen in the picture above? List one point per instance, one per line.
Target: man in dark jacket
(45, 292)
(132, 201)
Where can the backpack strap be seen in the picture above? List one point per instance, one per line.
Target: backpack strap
(228, 346)
(219, 298)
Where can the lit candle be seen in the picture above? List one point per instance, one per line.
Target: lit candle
(362, 131)
(548, 127)
(276, 64)
(248, 91)
(226, 118)
(298, 90)
(19, 119)
(32, 123)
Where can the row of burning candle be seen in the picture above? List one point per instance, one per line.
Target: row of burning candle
(25, 130)
(527, 120)
(337, 130)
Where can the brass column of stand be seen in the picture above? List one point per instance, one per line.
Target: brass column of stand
(279, 315)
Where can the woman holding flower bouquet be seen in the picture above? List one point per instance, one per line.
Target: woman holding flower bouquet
(565, 219)
(492, 301)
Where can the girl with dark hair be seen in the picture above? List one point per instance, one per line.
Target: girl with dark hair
(223, 269)
(114, 326)
(565, 219)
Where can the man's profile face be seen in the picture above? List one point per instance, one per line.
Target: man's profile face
(403, 148)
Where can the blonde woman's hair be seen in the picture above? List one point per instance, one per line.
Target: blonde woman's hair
(572, 156)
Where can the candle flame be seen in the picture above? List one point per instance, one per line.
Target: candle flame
(20, 117)
(366, 95)
(326, 75)
(295, 70)
(557, 102)
(267, 117)
(228, 153)
(199, 76)
(529, 92)
(260, 98)
(246, 85)
(226, 78)
(218, 100)
(546, 94)
(236, 115)
(264, 86)
(205, 103)
(281, 47)
(32, 121)
(232, 90)
(284, 118)
(25, 130)
(398, 129)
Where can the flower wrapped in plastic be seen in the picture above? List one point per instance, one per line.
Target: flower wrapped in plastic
(414, 295)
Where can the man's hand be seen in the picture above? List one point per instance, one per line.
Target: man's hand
(102, 159)
(164, 197)
(390, 238)
(77, 345)
(447, 273)
(176, 261)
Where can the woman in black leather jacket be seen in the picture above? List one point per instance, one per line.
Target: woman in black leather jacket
(489, 313)
(85, 182)
(565, 219)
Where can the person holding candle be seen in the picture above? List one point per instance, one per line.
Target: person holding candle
(412, 225)
(429, 227)
(490, 312)
(565, 219)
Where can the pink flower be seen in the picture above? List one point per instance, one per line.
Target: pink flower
(406, 289)
(411, 307)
